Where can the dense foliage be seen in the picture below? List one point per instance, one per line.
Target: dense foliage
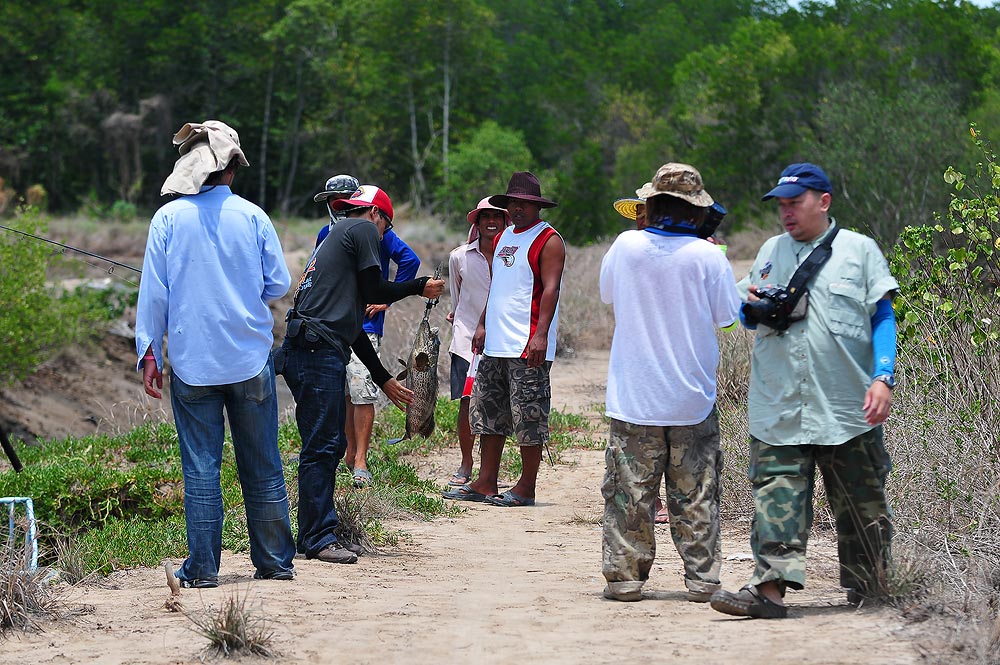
(591, 94)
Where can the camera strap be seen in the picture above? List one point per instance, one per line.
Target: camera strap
(809, 268)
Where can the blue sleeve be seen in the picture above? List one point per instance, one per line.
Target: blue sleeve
(276, 276)
(151, 310)
(884, 338)
(406, 260)
(323, 232)
(743, 320)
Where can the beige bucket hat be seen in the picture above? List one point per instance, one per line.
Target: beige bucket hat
(205, 148)
(680, 180)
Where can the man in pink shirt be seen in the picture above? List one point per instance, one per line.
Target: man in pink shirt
(469, 273)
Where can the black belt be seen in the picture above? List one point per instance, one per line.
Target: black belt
(301, 342)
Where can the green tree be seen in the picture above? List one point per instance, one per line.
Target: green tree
(875, 148)
(416, 89)
(734, 113)
(482, 164)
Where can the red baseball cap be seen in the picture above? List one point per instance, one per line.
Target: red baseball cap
(366, 195)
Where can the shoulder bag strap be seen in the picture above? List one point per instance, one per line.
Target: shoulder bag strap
(809, 268)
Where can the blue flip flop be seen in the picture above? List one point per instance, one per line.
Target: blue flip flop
(465, 493)
(509, 500)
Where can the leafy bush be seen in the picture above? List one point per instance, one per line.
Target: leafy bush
(481, 166)
(30, 320)
(946, 412)
(37, 320)
(80, 484)
(122, 211)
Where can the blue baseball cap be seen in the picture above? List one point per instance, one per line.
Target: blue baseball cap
(797, 178)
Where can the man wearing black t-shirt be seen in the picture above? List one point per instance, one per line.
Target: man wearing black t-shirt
(342, 276)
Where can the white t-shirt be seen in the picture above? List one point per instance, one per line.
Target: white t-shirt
(669, 294)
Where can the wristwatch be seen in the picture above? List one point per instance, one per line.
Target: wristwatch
(887, 379)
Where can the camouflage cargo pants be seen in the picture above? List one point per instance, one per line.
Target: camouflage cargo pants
(783, 479)
(636, 458)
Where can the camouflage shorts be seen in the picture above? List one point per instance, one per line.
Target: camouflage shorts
(691, 459)
(854, 474)
(510, 398)
(360, 387)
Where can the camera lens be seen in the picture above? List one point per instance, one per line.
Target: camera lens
(759, 311)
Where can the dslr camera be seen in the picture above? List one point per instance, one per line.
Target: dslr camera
(773, 309)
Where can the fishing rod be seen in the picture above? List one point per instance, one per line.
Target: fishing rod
(431, 302)
(75, 249)
(9, 451)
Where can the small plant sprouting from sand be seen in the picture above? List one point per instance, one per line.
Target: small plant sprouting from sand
(235, 628)
(70, 559)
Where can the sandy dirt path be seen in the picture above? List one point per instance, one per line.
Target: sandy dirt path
(491, 585)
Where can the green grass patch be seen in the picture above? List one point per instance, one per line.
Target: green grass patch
(109, 502)
(112, 502)
(566, 431)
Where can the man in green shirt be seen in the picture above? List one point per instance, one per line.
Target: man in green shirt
(820, 389)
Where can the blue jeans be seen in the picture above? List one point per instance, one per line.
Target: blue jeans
(316, 378)
(252, 407)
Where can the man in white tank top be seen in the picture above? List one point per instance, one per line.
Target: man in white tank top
(517, 337)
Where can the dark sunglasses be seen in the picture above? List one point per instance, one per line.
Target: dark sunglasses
(388, 222)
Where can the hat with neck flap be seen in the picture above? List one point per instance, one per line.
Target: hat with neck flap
(205, 148)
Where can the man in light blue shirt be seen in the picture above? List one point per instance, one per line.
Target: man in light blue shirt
(212, 263)
(821, 384)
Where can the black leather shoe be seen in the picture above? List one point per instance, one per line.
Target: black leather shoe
(274, 575)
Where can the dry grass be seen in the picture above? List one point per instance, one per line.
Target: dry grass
(235, 628)
(122, 417)
(26, 596)
(584, 321)
(358, 512)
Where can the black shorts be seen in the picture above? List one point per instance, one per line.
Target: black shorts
(459, 370)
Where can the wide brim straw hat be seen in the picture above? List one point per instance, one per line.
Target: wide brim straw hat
(628, 208)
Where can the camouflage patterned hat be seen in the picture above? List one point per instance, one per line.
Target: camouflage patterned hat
(680, 180)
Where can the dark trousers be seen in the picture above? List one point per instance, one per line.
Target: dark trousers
(315, 377)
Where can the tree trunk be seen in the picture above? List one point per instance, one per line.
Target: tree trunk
(419, 186)
(265, 128)
(446, 111)
(286, 197)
